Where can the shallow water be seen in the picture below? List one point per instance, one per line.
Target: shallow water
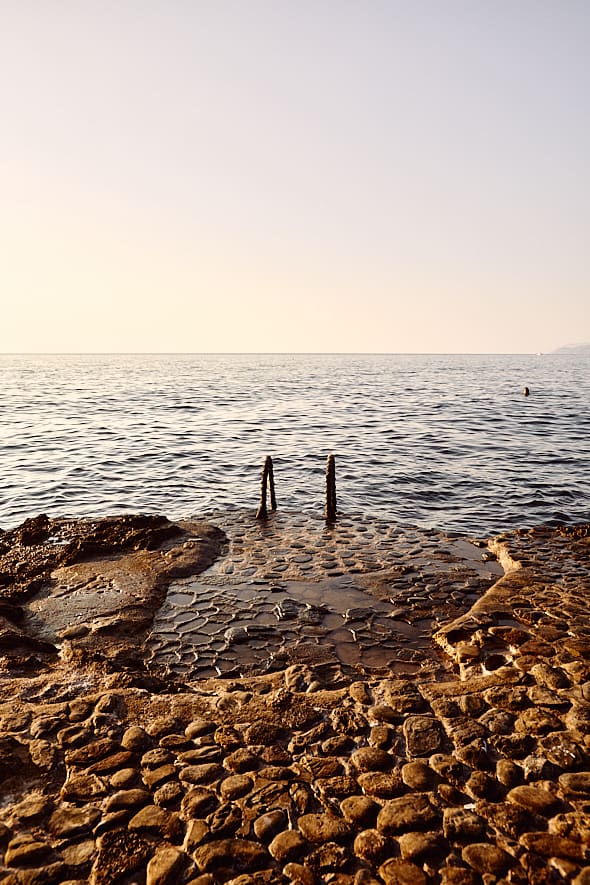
(439, 441)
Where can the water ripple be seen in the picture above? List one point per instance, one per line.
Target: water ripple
(441, 441)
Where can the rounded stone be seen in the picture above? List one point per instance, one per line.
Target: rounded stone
(486, 858)
(199, 727)
(417, 775)
(576, 784)
(287, 846)
(235, 787)
(401, 872)
(534, 799)
(371, 846)
(165, 867)
(413, 811)
(359, 810)
(268, 825)
(421, 846)
(370, 759)
(323, 827)
(135, 738)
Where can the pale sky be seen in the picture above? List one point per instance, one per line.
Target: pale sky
(311, 175)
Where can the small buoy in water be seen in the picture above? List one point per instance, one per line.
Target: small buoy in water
(525, 391)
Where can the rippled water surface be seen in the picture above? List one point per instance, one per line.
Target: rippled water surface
(440, 441)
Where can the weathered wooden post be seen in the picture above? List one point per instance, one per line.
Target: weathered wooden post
(330, 512)
(267, 477)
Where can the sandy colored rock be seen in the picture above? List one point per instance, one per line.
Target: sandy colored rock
(410, 812)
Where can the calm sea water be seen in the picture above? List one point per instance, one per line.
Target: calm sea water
(440, 441)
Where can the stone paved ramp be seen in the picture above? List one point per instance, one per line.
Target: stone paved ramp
(473, 774)
(356, 597)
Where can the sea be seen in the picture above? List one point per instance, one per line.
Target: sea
(440, 441)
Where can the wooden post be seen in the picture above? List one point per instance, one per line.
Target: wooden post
(330, 512)
(267, 477)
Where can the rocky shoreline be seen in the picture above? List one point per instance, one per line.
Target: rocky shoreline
(208, 702)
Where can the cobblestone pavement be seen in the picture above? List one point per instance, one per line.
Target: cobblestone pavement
(472, 769)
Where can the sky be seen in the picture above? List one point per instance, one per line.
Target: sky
(302, 176)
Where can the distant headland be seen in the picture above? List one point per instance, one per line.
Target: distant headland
(577, 349)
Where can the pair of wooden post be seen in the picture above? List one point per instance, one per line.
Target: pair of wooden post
(268, 480)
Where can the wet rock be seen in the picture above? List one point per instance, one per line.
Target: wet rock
(157, 822)
(226, 856)
(156, 758)
(241, 760)
(120, 854)
(79, 855)
(423, 735)
(199, 727)
(225, 820)
(323, 827)
(287, 846)
(485, 858)
(575, 784)
(31, 808)
(482, 785)
(537, 722)
(447, 767)
(124, 779)
(336, 787)
(410, 812)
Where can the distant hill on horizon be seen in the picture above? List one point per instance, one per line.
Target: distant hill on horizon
(577, 348)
